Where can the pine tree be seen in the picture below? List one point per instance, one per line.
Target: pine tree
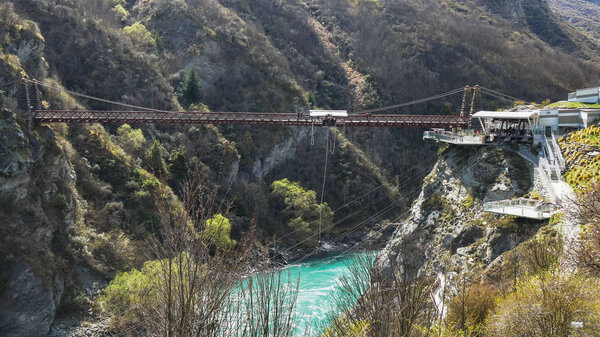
(155, 160)
(190, 92)
(178, 167)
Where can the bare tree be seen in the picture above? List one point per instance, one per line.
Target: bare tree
(585, 253)
(384, 305)
(202, 288)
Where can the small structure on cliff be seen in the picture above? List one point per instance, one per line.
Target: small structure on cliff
(521, 207)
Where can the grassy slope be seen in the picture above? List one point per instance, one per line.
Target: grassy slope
(566, 104)
(583, 167)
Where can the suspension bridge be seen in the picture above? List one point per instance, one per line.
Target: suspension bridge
(30, 99)
(247, 118)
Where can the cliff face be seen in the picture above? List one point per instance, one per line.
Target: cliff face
(37, 210)
(447, 231)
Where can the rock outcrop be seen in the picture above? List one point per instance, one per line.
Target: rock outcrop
(448, 232)
(37, 209)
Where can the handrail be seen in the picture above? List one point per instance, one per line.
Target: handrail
(520, 202)
(452, 137)
(546, 181)
(559, 156)
(527, 208)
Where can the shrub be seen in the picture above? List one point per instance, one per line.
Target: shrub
(74, 302)
(217, 230)
(121, 13)
(155, 159)
(128, 290)
(546, 304)
(470, 308)
(302, 210)
(131, 140)
(138, 33)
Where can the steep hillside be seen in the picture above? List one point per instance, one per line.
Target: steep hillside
(447, 231)
(581, 14)
(546, 21)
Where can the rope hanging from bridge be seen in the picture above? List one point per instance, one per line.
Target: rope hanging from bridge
(332, 149)
(323, 187)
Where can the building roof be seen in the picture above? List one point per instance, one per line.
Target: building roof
(323, 113)
(507, 114)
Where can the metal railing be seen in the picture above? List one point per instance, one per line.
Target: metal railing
(558, 154)
(455, 138)
(528, 208)
(219, 118)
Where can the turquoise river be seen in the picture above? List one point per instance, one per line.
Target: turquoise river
(318, 280)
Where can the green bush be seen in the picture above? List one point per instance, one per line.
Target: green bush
(155, 160)
(302, 210)
(217, 230)
(120, 12)
(127, 291)
(138, 33)
(131, 140)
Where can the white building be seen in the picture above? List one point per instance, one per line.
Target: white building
(589, 95)
(565, 120)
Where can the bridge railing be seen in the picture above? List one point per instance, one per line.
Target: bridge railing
(355, 120)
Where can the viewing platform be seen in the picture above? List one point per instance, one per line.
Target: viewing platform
(458, 138)
(525, 208)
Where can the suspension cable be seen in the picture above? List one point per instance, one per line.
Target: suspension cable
(92, 97)
(496, 94)
(422, 100)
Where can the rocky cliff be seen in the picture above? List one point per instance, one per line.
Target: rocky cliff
(37, 210)
(447, 233)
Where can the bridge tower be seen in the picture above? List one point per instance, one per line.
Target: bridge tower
(475, 104)
(467, 100)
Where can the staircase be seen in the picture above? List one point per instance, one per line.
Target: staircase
(552, 158)
(550, 164)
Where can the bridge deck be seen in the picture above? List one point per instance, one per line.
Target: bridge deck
(220, 118)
